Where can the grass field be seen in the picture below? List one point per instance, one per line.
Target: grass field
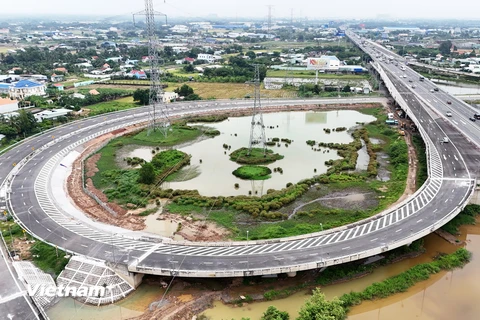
(114, 105)
(5, 49)
(230, 90)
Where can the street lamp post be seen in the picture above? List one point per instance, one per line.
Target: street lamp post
(248, 262)
(321, 227)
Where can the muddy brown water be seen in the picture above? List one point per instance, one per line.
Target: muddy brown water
(447, 295)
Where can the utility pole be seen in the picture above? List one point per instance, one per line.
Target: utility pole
(257, 130)
(158, 117)
(291, 17)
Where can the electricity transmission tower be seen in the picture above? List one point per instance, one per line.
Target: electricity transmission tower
(269, 22)
(158, 117)
(257, 130)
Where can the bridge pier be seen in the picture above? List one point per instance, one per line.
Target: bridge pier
(292, 274)
(134, 279)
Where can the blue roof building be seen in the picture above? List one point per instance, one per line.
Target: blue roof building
(26, 88)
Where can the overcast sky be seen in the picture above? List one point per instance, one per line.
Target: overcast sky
(253, 8)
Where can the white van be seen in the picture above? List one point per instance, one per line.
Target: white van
(445, 140)
(390, 116)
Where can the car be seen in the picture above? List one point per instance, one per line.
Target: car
(410, 80)
(413, 86)
(435, 89)
(445, 140)
(449, 102)
(472, 119)
(432, 91)
(448, 114)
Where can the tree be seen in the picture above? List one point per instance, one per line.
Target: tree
(8, 131)
(188, 68)
(251, 54)
(25, 122)
(273, 313)
(444, 47)
(318, 308)
(184, 91)
(146, 173)
(142, 96)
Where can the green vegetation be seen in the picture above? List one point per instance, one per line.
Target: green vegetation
(252, 172)
(243, 213)
(405, 280)
(318, 307)
(176, 135)
(111, 106)
(48, 258)
(132, 186)
(256, 156)
(467, 216)
(422, 168)
(273, 313)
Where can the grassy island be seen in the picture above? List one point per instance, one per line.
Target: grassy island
(252, 173)
(257, 156)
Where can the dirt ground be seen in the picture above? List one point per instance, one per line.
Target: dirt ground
(86, 203)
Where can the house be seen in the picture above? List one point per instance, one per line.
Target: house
(105, 66)
(139, 74)
(78, 95)
(169, 96)
(8, 105)
(51, 114)
(63, 70)
(179, 29)
(131, 62)
(208, 57)
(26, 88)
(114, 59)
(189, 60)
(59, 86)
(146, 59)
(56, 78)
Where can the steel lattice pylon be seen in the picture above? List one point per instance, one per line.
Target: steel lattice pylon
(257, 131)
(158, 114)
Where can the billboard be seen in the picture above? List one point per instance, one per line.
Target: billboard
(317, 63)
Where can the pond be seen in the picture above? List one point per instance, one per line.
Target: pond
(211, 169)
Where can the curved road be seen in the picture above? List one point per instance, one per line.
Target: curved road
(444, 194)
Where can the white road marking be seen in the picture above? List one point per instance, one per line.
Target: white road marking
(398, 230)
(345, 248)
(374, 239)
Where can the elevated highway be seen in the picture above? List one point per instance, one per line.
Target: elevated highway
(445, 193)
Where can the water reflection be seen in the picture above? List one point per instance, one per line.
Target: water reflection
(215, 168)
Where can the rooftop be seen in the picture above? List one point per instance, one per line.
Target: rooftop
(26, 84)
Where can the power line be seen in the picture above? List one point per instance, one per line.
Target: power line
(158, 117)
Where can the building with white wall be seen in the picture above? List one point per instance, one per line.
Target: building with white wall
(8, 105)
(210, 58)
(169, 96)
(26, 88)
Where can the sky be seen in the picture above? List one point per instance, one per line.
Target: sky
(362, 9)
